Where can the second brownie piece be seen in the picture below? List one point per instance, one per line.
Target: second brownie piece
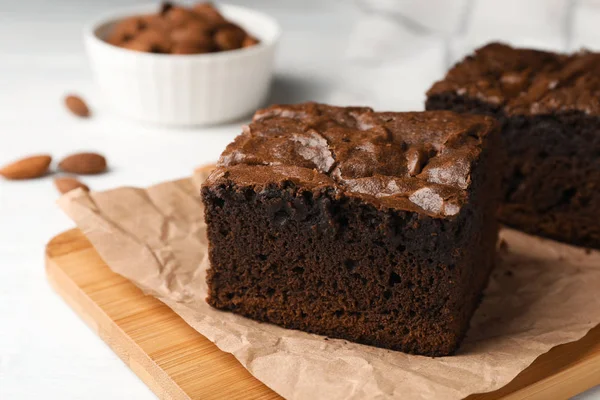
(549, 106)
(373, 227)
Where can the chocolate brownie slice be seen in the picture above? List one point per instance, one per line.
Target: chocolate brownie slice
(375, 227)
(549, 108)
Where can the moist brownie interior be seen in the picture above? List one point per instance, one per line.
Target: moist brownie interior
(549, 108)
(373, 227)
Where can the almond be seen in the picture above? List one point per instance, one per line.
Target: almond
(179, 16)
(125, 30)
(191, 32)
(27, 168)
(83, 163)
(65, 184)
(249, 41)
(138, 45)
(229, 37)
(195, 43)
(201, 27)
(156, 22)
(208, 12)
(77, 106)
(158, 41)
(165, 7)
(190, 48)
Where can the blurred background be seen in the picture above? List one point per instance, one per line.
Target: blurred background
(380, 53)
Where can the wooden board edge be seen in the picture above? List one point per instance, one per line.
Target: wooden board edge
(123, 345)
(581, 375)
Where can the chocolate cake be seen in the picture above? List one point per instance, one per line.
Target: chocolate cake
(549, 108)
(375, 227)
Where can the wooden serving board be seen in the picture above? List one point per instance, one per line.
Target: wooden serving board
(177, 362)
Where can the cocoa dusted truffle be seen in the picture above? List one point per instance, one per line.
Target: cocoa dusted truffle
(549, 108)
(375, 227)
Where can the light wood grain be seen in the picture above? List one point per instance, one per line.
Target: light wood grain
(176, 362)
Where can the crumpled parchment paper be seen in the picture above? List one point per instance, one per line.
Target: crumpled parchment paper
(542, 294)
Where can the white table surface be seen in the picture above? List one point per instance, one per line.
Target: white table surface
(46, 351)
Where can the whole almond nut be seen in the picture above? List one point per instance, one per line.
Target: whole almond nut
(77, 106)
(191, 47)
(125, 30)
(200, 26)
(208, 12)
(155, 22)
(165, 7)
(158, 41)
(83, 163)
(229, 37)
(27, 168)
(192, 32)
(115, 41)
(184, 35)
(138, 45)
(179, 16)
(249, 41)
(65, 184)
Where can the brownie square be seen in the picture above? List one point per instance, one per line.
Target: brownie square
(549, 108)
(375, 227)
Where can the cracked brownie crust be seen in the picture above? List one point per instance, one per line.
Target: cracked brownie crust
(549, 108)
(373, 227)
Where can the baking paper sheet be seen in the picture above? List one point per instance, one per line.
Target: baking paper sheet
(542, 294)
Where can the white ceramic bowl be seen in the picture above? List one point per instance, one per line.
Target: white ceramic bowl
(197, 89)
